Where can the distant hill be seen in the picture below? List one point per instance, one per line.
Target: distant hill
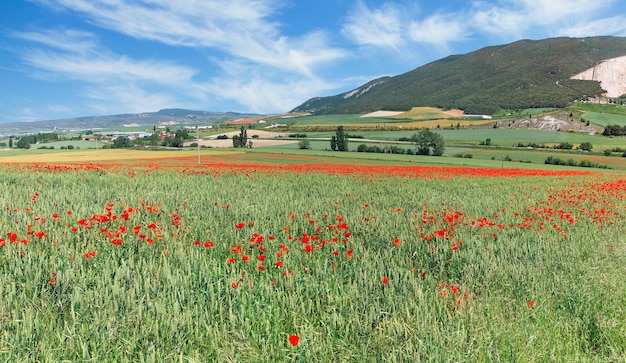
(523, 74)
(147, 119)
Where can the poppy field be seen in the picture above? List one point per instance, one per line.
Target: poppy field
(293, 262)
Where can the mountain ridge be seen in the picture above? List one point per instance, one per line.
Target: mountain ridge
(523, 74)
(147, 119)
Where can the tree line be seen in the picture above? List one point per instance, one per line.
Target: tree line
(426, 143)
(614, 130)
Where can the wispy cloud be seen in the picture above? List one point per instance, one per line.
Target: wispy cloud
(439, 30)
(111, 81)
(260, 93)
(398, 26)
(128, 97)
(98, 68)
(617, 25)
(238, 36)
(380, 27)
(62, 39)
(240, 28)
(524, 18)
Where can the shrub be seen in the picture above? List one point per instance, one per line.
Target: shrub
(304, 144)
(564, 146)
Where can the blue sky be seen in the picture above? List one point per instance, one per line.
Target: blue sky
(72, 58)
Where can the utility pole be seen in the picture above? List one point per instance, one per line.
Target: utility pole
(198, 142)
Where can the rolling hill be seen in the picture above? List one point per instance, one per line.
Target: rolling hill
(523, 74)
(147, 119)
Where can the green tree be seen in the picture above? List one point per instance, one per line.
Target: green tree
(427, 141)
(304, 144)
(586, 146)
(10, 142)
(23, 143)
(122, 142)
(176, 141)
(340, 142)
(182, 134)
(241, 140)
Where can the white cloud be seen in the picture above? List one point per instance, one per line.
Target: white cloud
(64, 39)
(381, 27)
(97, 68)
(127, 97)
(235, 33)
(398, 26)
(114, 83)
(616, 25)
(439, 30)
(552, 11)
(239, 28)
(514, 19)
(260, 93)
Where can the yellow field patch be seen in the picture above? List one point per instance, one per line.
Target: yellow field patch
(428, 113)
(95, 156)
(431, 124)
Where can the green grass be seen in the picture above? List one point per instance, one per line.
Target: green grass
(604, 119)
(174, 300)
(600, 108)
(346, 119)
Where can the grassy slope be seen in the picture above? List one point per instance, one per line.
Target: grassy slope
(513, 76)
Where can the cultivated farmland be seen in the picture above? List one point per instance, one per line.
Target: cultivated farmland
(167, 260)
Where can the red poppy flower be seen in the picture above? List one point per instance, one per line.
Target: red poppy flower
(239, 225)
(396, 241)
(385, 280)
(531, 304)
(53, 281)
(294, 340)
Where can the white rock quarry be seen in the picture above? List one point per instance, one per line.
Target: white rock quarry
(611, 74)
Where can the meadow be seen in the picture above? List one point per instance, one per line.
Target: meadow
(163, 259)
